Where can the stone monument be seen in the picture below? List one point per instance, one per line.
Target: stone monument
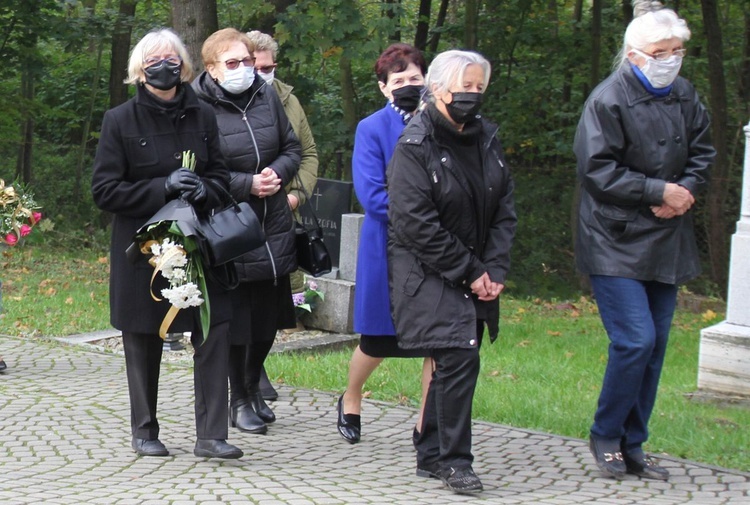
(724, 362)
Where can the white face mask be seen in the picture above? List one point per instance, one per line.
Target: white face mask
(268, 77)
(660, 73)
(238, 80)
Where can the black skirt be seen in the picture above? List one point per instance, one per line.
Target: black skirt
(386, 346)
(260, 309)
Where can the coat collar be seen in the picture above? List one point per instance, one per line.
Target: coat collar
(635, 93)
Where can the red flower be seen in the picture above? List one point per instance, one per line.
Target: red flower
(25, 230)
(11, 239)
(35, 218)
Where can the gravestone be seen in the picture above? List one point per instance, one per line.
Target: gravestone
(724, 361)
(329, 201)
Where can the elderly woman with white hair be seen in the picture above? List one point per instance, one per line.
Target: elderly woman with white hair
(451, 223)
(137, 169)
(644, 152)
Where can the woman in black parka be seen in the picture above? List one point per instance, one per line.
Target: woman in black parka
(263, 155)
(451, 222)
(644, 152)
(137, 169)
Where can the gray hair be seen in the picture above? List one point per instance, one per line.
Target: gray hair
(448, 69)
(653, 23)
(264, 42)
(153, 42)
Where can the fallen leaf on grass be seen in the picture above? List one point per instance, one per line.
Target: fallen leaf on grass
(103, 260)
(709, 315)
(69, 300)
(524, 343)
(554, 333)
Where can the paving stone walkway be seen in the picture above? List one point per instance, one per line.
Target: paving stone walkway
(64, 439)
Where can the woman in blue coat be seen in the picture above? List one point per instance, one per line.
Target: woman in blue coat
(400, 71)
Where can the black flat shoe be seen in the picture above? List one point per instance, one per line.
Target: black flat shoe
(640, 464)
(348, 424)
(145, 447)
(266, 388)
(608, 457)
(461, 480)
(428, 470)
(260, 407)
(242, 417)
(216, 449)
(3, 366)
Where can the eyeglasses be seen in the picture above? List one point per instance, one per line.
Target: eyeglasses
(249, 61)
(153, 60)
(266, 69)
(663, 55)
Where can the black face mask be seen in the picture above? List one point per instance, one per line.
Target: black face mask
(407, 98)
(163, 75)
(464, 106)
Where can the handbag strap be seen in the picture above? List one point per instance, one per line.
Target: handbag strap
(223, 190)
(307, 199)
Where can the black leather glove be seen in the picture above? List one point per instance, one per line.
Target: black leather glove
(196, 195)
(180, 182)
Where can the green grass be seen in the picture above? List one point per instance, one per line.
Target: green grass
(543, 373)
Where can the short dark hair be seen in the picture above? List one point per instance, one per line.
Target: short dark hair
(396, 58)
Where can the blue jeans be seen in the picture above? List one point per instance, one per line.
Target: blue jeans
(637, 316)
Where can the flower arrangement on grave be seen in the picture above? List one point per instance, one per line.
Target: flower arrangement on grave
(175, 255)
(306, 300)
(19, 213)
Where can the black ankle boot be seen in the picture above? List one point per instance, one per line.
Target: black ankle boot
(242, 416)
(260, 407)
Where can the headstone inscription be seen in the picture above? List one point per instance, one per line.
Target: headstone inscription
(329, 201)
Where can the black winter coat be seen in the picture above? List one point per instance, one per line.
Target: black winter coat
(437, 244)
(629, 144)
(254, 137)
(141, 143)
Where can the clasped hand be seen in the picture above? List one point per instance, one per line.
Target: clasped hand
(677, 201)
(266, 183)
(485, 289)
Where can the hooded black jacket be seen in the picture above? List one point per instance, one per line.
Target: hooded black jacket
(253, 138)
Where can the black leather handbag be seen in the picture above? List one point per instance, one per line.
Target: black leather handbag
(312, 254)
(226, 234)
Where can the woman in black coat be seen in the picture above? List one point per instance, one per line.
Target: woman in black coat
(451, 222)
(263, 155)
(137, 170)
(644, 151)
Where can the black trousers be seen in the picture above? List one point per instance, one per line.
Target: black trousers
(445, 436)
(143, 361)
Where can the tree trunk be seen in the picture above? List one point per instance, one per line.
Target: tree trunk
(472, 24)
(567, 88)
(423, 25)
(596, 43)
(118, 63)
(718, 228)
(25, 150)
(194, 21)
(267, 22)
(347, 102)
(627, 12)
(745, 68)
(442, 13)
(392, 11)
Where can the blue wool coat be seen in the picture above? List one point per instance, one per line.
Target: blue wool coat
(374, 142)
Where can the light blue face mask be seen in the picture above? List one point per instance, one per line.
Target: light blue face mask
(660, 73)
(238, 80)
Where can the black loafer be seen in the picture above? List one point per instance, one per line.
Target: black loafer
(259, 406)
(640, 464)
(608, 456)
(349, 425)
(216, 449)
(145, 447)
(3, 366)
(243, 417)
(461, 480)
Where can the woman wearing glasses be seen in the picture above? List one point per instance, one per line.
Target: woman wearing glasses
(137, 170)
(263, 155)
(643, 152)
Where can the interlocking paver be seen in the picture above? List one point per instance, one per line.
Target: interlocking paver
(64, 439)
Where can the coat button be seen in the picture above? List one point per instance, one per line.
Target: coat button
(177, 156)
(678, 139)
(466, 295)
(662, 142)
(143, 142)
(443, 159)
(472, 342)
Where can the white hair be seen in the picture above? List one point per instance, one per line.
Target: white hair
(157, 41)
(650, 27)
(448, 69)
(264, 42)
